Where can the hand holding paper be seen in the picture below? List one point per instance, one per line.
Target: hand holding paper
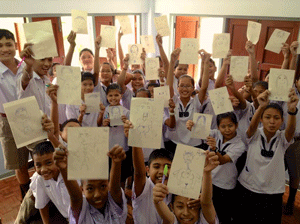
(79, 21)
(253, 31)
(276, 40)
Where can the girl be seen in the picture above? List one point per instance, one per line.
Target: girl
(182, 212)
(263, 177)
(185, 106)
(229, 147)
(73, 111)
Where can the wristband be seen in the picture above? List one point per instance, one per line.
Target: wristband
(171, 114)
(293, 113)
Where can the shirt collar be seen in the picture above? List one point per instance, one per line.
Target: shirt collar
(261, 130)
(4, 69)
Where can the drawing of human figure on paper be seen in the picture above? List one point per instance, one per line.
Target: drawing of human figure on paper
(115, 113)
(281, 85)
(80, 24)
(23, 120)
(187, 178)
(200, 124)
(219, 100)
(144, 125)
(151, 65)
(134, 51)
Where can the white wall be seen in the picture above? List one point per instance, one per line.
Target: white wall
(9, 7)
(260, 8)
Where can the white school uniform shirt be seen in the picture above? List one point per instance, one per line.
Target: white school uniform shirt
(102, 89)
(50, 190)
(180, 134)
(175, 86)
(265, 175)
(201, 220)
(116, 133)
(36, 87)
(113, 213)
(144, 211)
(206, 108)
(211, 85)
(89, 119)
(8, 84)
(62, 117)
(126, 98)
(225, 176)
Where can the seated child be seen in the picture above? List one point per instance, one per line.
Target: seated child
(183, 213)
(103, 201)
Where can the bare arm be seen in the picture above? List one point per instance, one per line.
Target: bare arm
(100, 116)
(291, 122)
(170, 77)
(97, 60)
(122, 76)
(71, 40)
(229, 83)
(250, 47)
(212, 144)
(205, 78)
(293, 49)
(286, 56)
(223, 71)
(171, 122)
(54, 116)
(29, 60)
(162, 53)
(45, 214)
(139, 170)
(120, 50)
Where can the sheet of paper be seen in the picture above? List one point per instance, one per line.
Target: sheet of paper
(280, 83)
(87, 158)
(24, 118)
(92, 102)
(108, 36)
(202, 124)
(125, 24)
(276, 40)
(79, 21)
(115, 114)
(162, 93)
(146, 116)
(40, 34)
(187, 171)
(253, 31)
(152, 66)
(148, 43)
(239, 67)
(69, 81)
(220, 100)
(221, 45)
(189, 51)
(135, 51)
(162, 26)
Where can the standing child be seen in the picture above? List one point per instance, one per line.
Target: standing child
(103, 201)
(263, 177)
(183, 213)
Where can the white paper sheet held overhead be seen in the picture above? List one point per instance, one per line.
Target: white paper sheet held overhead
(108, 36)
(135, 51)
(189, 51)
(220, 100)
(125, 24)
(276, 40)
(148, 43)
(79, 21)
(162, 93)
(221, 45)
(239, 67)
(253, 31)
(162, 26)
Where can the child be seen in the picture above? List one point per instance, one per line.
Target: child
(49, 184)
(86, 120)
(14, 159)
(52, 73)
(104, 201)
(186, 106)
(182, 211)
(228, 146)
(151, 87)
(262, 180)
(179, 70)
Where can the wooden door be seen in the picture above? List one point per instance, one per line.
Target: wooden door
(58, 35)
(187, 27)
(266, 59)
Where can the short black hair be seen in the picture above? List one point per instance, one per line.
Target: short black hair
(50, 72)
(85, 49)
(153, 84)
(62, 127)
(212, 61)
(43, 148)
(160, 153)
(7, 34)
(186, 76)
(87, 76)
(263, 84)
(144, 90)
(229, 115)
(138, 71)
(113, 86)
(111, 67)
(274, 106)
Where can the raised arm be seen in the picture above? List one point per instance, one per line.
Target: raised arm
(263, 100)
(229, 83)
(292, 111)
(250, 47)
(117, 154)
(122, 76)
(97, 59)
(162, 54)
(110, 57)
(54, 115)
(71, 40)
(120, 50)
(293, 48)
(223, 71)
(211, 141)
(139, 170)
(249, 89)
(60, 157)
(202, 53)
(286, 56)
(170, 77)
(29, 60)
(205, 77)
(171, 121)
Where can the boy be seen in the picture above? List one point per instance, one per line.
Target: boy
(34, 79)
(104, 200)
(15, 159)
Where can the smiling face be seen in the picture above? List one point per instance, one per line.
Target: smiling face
(45, 166)
(185, 87)
(41, 67)
(156, 170)
(96, 192)
(7, 49)
(113, 97)
(137, 81)
(105, 74)
(227, 128)
(183, 213)
(180, 70)
(87, 86)
(87, 61)
(272, 121)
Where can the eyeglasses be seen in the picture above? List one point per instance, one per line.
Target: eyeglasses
(188, 87)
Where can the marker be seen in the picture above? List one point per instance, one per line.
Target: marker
(47, 85)
(21, 62)
(165, 173)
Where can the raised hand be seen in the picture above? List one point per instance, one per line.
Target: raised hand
(98, 42)
(117, 154)
(250, 47)
(52, 92)
(27, 53)
(263, 98)
(211, 161)
(61, 157)
(71, 38)
(293, 101)
(175, 54)
(160, 191)
(285, 50)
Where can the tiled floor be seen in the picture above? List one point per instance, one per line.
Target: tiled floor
(10, 201)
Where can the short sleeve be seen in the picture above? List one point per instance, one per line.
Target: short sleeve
(121, 212)
(236, 150)
(145, 193)
(126, 98)
(41, 199)
(72, 111)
